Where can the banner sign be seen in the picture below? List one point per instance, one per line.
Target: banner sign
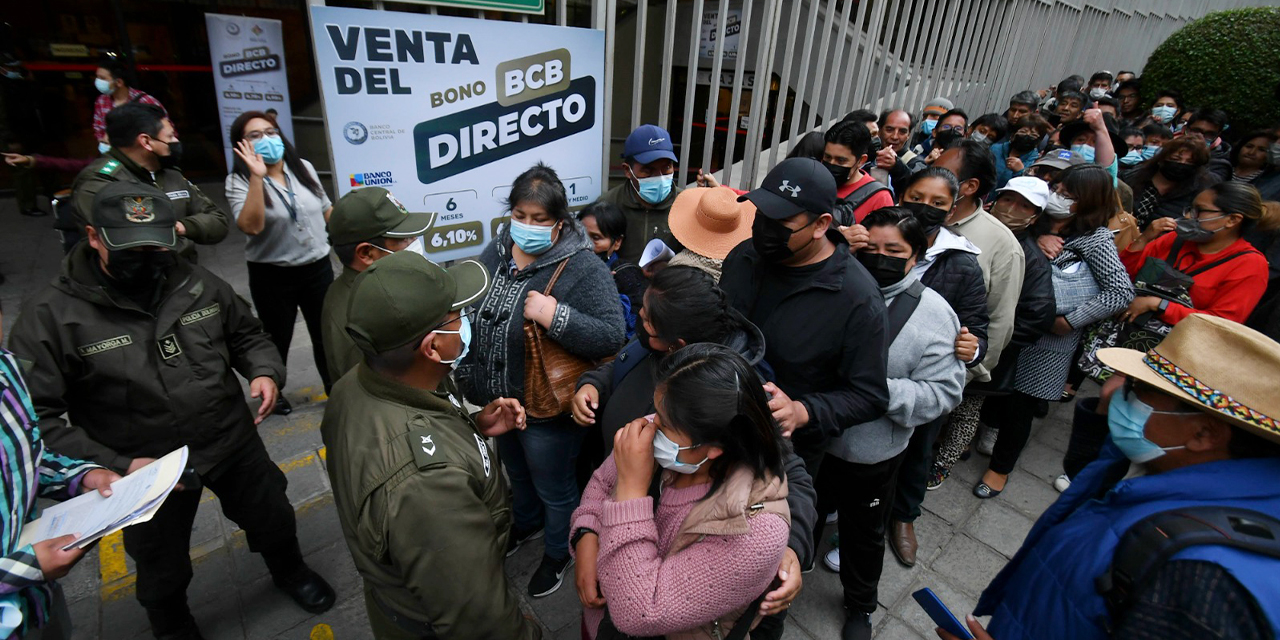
(248, 71)
(446, 112)
(707, 37)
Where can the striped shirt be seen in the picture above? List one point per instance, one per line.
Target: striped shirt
(27, 470)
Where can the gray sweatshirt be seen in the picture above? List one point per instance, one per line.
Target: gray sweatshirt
(926, 380)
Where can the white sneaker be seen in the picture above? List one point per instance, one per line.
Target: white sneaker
(986, 439)
(832, 560)
(1062, 483)
(833, 517)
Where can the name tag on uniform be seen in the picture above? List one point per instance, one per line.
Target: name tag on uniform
(200, 314)
(178, 195)
(104, 345)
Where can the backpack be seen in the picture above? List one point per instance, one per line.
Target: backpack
(1152, 541)
(846, 206)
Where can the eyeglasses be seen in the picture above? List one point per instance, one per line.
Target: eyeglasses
(254, 136)
(948, 127)
(1196, 212)
(466, 313)
(1131, 385)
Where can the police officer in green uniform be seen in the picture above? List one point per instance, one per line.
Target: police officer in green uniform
(145, 150)
(140, 350)
(420, 494)
(366, 225)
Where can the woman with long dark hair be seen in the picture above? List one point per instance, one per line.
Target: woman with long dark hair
(277, 201)
(1090, 283)
(697, 565)
(580, 312)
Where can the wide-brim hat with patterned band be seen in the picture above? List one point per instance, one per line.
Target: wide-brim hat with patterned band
(1218, 366)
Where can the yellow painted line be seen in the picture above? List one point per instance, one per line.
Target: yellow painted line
(114, 573)
(321, 631)
(324, 454)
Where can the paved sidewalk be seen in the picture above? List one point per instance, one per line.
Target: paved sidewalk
(964, 541)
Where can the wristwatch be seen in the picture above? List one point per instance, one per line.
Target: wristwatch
(578, 534)
(1164, 304)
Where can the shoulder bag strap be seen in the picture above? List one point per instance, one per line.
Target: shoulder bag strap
(902, 307)
(1220, 261)
(555, 276)
(742, 625)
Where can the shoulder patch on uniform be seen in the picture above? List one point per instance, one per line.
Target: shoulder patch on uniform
(104, 345)
(110, 167)
(484, 452)
(420, 442)
(200, 314)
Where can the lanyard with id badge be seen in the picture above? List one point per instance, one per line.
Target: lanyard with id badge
(290, 205)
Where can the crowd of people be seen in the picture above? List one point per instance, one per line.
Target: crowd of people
(904, 290)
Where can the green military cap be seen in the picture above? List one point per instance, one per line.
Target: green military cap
(372, 212)
(404, 296)
(132, 214)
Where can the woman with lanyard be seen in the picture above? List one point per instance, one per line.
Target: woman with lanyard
(277, 201)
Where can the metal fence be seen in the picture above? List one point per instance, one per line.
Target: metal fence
(803, 63)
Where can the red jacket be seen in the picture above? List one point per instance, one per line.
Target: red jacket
(1230, 290)
(880, 199)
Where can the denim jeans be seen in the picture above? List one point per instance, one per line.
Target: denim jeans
(541, 463)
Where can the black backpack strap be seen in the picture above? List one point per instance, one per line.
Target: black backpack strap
(903, 305)
(742, 625)
(631, 355)
(862, 194)
(1173, 253)
(1223, 260)
(1152, 541)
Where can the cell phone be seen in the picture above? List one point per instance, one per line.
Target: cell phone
(940, 614)
(190, 480)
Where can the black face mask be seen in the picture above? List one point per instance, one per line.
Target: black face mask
(929, 217)
(876, 145)
(642, 335)
(134, 271)
(887, 270)
(175, 154)
(1023, 143)
(1178, 171)
(770, 238)
(841, 174)
(944, 138)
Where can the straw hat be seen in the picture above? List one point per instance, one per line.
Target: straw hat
(1218, 366)
(711, 222)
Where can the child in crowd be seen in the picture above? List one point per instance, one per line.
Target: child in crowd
(606, 226)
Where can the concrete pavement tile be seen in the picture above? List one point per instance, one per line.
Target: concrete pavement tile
(85, 617)
(999, 526)
(124, 618)
(953, 501)
(969, 471)
(318, 526)
(347, 620)
(1041, 460)
(1053, 432)
(268, 612)
(792, 631)
(895, 579)
(558, 610)
(896, 629)
(307, 479)
(967, 563)
(932, 534)
(958, 601)
(1028, 494)
(208, 525)
(82, 581)
(819, 610)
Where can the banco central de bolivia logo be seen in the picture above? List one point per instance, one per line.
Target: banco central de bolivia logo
(372, 179)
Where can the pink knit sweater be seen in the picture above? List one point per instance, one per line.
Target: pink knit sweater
(649, 594)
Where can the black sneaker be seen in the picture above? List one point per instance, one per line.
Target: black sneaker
(519, 538)
(856, 627)
(549, 576)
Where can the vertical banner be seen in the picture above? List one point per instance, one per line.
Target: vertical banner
(248, 71)
(446, 112)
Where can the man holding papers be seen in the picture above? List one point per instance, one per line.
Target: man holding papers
(140, 349)
(31, 605)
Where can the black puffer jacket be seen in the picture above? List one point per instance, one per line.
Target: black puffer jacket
(1037, 309)
(957, 277)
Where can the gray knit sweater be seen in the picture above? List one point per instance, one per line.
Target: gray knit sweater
(926, 380)
(588, 319)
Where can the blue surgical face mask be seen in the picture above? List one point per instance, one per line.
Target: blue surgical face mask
(665, 452)
(656, 189)
(464, 333)
(1127, 421)
(103, 148)
(927, 126)
(1085, 150)
(1150, 151)
(102, 86)
(532, 239)
(271, 148)
(1163, 114)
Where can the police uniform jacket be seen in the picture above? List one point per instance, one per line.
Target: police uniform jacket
(140, 384)
(202, 220)
(423, 505)
(340, 352)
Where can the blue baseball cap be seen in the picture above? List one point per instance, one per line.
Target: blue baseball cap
(647, 143)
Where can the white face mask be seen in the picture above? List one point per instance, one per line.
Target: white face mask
(418, 246)
(1058, 206)
(665, 452)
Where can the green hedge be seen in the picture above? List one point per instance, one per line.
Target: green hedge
(1229, 60)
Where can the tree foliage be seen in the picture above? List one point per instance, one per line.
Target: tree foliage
(1227, 60)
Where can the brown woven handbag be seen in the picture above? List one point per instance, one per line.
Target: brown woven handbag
(550, 372)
